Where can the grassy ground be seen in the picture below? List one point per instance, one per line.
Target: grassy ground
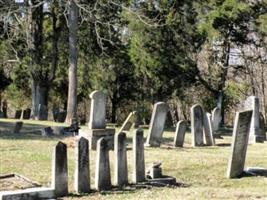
(200, 170)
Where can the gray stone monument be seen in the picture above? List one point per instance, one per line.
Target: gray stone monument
(208, 131)
(253, 103)
(60, 170)
(262, 127)
(97, 122)
(26, 113)
(82, 172)
(239, 144)
(129, 122)
(197, 125)
(180, 133)
(156, 126)
(18, 127)
(18, 114)
(216, 118)
(102, 174)
(42, 112)
(121, 171)
(138, 157)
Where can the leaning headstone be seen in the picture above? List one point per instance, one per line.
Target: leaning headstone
(26, 113)
(253, 103)
(97, 124)
(208, 131)
(60, 170)
(102, 174)
(18, 114)
(42, 112)
(130, 120)
(239, 144)
(82, 173)
(216, 118)
(18, 126)
(179, 134)
(262, 127)
(121, 171)
(156, 126)
(197, 125)
(138, 157)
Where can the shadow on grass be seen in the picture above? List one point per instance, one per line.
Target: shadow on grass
(131, 188)
(224, 145)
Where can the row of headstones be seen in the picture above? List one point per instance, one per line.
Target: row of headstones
(59, 116)
(201, 122)
(102, 175)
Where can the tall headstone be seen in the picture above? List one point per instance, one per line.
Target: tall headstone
(18, 126)
(208, 131)
(26, 113)
(121, 171)
(253, 103)
(239, 144)
(216, 118)
(102, 175)
(60, 170)
(82, 172)
(97, 122)
(197, 125)
(156, 126)
(130, 120)
(18, 114)
(138, 157)
(179, 134)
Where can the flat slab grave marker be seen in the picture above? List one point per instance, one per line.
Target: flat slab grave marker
(239, 144)
(156, 126)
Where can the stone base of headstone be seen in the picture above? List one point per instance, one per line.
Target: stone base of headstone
(93, 135)
(162, 181)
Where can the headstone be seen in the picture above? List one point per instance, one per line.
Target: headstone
(197, 125)
(208, 131)
(121, 171)
(60, 170)
(18, 114)
(239, 144)
(253, 103)
(102, 175)
(82, 173)
(26, 113)
(61, 116)
(216, 118)
(42, 112)
(18, 126)
(179, 134)
(138, 157)
(156, 126)
(131, 119)
(47, 131)
(262, 127)
(98, 110)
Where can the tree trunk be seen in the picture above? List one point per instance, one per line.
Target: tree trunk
(73, 59)
(113, 111)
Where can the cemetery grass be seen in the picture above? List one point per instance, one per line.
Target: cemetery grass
(201, 172)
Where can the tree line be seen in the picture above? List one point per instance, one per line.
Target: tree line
(56, 52)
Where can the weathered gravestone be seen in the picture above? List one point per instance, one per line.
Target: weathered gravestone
(180, 133)
(253, 103)
(197, 125)
(138, 157)
(239, 144)
(97, 122)
(121, 171)
(18, 126)
(262, 127)
(82, 172)
(156, 126)
(60, 170)
(26, 113)
(102, 174)
(55, 112)
(18, 114)
(129, 122)
(216, 118)
(42, 112)
(207, 124)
